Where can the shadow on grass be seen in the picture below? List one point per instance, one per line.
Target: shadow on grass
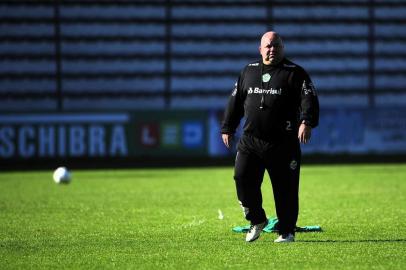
(352, 241)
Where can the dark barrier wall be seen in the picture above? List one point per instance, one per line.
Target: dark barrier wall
(183, 134)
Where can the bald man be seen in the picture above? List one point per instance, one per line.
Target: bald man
(280, 106)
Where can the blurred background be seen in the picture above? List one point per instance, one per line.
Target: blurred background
(145, 83)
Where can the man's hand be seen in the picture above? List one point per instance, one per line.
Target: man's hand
(227, 139)
(305, 132)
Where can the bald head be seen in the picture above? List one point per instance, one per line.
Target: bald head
(271, 48)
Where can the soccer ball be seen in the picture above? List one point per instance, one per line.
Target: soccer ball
(62, 176)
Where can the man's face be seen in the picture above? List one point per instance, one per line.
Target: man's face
(271, 49)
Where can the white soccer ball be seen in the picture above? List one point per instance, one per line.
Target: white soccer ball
(62, 175)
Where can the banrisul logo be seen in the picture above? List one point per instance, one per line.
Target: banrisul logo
(258, 90)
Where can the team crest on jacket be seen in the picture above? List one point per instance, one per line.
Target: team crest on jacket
(293, 165)
(266, 77)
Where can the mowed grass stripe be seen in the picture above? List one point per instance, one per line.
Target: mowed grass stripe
(168, 219)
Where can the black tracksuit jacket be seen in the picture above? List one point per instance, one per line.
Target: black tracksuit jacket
(273, 107)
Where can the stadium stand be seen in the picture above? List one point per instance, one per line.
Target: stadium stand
(91, 55)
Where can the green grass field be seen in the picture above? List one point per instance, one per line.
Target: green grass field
(168, 219)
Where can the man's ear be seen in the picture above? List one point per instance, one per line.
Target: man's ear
(259, 48)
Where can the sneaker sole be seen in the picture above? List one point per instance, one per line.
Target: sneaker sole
(252, 240)
(284, 241)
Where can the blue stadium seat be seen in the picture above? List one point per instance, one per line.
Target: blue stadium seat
(132, 55)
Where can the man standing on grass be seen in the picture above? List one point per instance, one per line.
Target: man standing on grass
(280, 105)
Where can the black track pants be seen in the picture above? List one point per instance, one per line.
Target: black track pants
(282, 162)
